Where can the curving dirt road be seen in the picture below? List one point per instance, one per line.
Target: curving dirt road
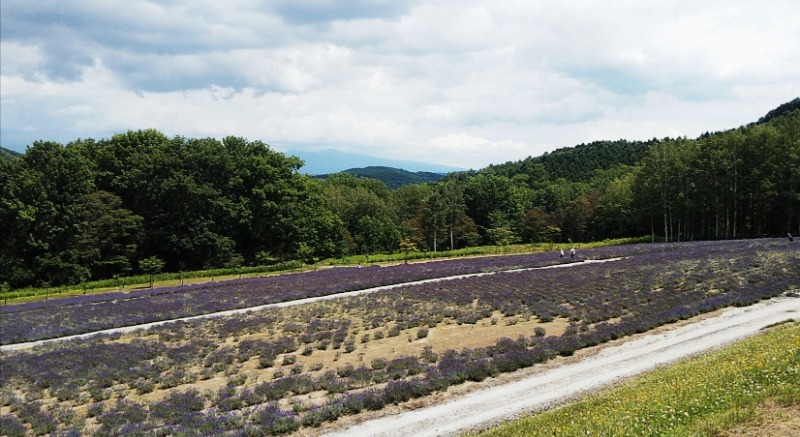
(485, 407)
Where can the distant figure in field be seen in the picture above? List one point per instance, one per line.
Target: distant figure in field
(562, 253)
(789, 237)
(572, 253)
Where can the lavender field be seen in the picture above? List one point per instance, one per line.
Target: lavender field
(276, 371)
(66, 316)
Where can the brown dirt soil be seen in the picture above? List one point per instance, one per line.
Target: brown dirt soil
(504, 378)
(773, 421)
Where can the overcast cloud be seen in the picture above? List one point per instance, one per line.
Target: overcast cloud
(455, 82)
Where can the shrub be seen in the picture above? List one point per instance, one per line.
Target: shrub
(12, 427)
(353, 403)
(122, 414)
(94, 409)
(266, 361)
(428, 354)
(373, 400)
(177, 405)
(272, 420)
(143, 386)
(378, 364)
(345, 371)
(323, 344)
(422, 333)
(398, 391)
(66, 392)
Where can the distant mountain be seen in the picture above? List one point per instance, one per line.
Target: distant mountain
(334, 161)
(6, 154)
(394, 177)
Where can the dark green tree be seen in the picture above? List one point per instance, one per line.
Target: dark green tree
(42, 215)
(110, 236)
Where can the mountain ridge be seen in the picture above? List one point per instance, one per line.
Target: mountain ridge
(394, 178)
(330, 161)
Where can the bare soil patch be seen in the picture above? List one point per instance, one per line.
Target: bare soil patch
(773, 421)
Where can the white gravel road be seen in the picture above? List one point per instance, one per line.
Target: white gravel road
(483, 408)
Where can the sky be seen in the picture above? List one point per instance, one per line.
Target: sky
(464, 83)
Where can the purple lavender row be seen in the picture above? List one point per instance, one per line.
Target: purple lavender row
(602, 302)
(92, 313)
(81, 314)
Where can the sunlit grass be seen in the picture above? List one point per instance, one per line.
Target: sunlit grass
(476, 251)
(702, 396)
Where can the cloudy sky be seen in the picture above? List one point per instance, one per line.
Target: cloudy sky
(455, 82)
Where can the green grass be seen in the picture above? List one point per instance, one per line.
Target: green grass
(700, 397)
(474, 251)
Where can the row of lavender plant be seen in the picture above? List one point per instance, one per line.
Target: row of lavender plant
(67, 316)
(641, 293)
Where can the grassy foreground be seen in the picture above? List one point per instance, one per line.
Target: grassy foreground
(708, 395)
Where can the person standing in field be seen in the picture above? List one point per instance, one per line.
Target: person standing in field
(562, 253)
(789, 237)
(572, 253)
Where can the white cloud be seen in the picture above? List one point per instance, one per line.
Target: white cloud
(465, 150)
(464, 83)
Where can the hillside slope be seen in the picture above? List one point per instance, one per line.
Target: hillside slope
(394, 177)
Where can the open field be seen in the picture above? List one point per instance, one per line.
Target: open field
(284, 369)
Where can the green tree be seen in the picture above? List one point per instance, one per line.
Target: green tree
(407, 246)
(151, 266)
(42, 215)
(374, 235)
(502, 236)
(615, 215)
(110, 235)
(452, 201)
(433, 218)
(538, 226)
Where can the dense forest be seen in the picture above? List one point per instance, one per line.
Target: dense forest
(394, 178)
(97, 208)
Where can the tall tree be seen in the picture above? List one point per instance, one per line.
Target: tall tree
(42, 203)
(110, 236)
(451, 194)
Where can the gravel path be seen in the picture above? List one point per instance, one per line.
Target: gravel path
(127, 329)
(483, 408)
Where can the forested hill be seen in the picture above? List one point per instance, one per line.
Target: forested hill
(578, 163)
(782, 110)
(100, 208)
(394, 178)
(8, 155)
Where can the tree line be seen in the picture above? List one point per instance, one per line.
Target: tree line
(93, 209)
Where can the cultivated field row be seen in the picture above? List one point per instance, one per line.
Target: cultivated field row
(280, 369)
